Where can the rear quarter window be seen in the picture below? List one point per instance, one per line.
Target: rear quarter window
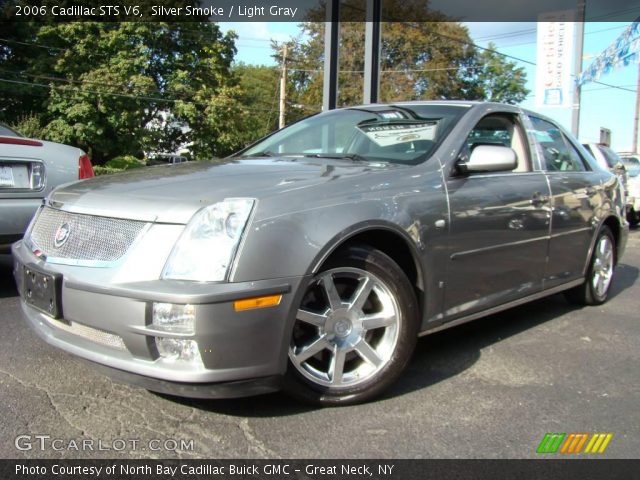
(7, 132)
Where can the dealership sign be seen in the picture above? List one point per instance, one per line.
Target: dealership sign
(555, 53)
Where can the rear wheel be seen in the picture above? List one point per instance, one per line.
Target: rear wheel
(595, 289)
(355, 330)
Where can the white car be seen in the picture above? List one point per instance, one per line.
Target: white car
(611, 161)
(29, 170)
(632, 164)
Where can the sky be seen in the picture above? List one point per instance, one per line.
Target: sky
(601, 105)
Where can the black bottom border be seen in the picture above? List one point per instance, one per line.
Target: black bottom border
(347, 469)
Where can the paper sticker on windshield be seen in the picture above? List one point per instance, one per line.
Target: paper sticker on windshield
(542, 137)
(385, 134)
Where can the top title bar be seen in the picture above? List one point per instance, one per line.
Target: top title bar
(310, 10)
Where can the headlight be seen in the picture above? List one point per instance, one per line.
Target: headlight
(206, 248)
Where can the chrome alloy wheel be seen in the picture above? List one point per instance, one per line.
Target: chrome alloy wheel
(602, 266)
(346, 329)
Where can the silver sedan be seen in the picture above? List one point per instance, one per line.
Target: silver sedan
(312, 260)
(29, 170)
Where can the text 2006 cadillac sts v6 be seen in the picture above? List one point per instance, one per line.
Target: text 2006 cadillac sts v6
(313, 259)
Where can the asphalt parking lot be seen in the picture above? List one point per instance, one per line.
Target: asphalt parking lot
(488, 389)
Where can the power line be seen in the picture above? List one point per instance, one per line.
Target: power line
(211, 35)
(529, 31)
(32, 44)
(404, 70)
(466, 42)
(500, 36)
(613, 14)
(586, 33)
(135, 97)
(607, 88)
(91, 82)
(70, 80)
(49, 47)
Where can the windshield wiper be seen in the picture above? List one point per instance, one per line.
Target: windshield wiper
(350, 156)
(264, 153)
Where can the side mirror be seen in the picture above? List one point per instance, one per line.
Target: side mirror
(490, 158)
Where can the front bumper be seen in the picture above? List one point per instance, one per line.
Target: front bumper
(231, 389)
(111, 325)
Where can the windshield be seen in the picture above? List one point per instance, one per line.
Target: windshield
(387, 133)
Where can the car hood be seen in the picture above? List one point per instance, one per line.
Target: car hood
(172, 193)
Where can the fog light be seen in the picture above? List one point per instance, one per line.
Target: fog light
(174, 318)
(174, 349)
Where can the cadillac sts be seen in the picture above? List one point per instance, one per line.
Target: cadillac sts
(312, 260)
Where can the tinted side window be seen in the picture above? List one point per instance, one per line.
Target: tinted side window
(7, 132)
(502, 130)
(611, 157)
(588, 149)
(578, 160)
(557, 155)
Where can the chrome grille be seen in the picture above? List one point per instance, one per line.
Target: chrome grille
(93, 334)
(90, 238)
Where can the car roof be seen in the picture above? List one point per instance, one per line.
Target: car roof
(486, 108)
(463, 103)
(471, 104)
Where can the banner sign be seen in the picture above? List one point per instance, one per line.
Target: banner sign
(555, 54)
(624, 51)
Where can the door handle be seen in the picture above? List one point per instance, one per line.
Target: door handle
(590, 191)
(538, 199)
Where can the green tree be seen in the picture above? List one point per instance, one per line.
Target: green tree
(500, 80)
(124, 88)
(429, 58)
(418, 62)
(260, 86)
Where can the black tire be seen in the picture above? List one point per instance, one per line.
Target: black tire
(388, 275)
(587, 293)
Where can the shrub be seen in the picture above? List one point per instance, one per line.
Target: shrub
(29, 126)
(102, 170)
(124, 162)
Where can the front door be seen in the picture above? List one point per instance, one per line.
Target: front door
(499, 226)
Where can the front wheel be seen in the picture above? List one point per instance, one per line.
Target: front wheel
(595, 289)
(355, 330)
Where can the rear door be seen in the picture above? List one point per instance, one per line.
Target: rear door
(576, 190)
(499, 227)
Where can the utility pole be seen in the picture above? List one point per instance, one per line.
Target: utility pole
(331, 44)
(372, 52)
(577, 68)
(634, 144)
(283, 87)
